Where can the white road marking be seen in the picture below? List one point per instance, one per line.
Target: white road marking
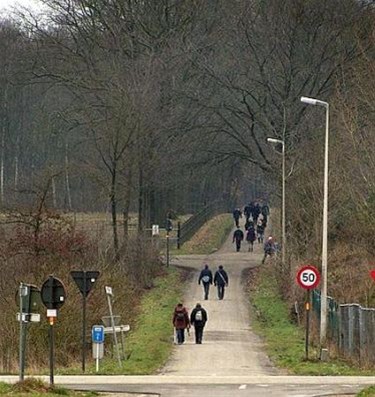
(242, 387)
(263, 385)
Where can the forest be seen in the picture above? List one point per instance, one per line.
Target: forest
(161, 107)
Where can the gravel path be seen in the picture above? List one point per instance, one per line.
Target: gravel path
(229, 345)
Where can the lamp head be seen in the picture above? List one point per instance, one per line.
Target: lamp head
(309, 101)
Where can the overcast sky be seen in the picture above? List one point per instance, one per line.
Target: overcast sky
(6, 4)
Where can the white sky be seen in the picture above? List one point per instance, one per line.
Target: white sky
(7, 4)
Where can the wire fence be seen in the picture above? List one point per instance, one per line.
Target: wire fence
(351, 327)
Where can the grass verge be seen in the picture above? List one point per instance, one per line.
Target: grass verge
(368, 392)
(285, 342)
(36, 387)
(149, 345)
(209, 237)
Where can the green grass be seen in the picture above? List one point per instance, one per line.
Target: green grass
(149, 345)
(285, 342)
(35, 387)
(368, 392)
(209, 237)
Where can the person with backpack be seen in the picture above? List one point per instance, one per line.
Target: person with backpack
(221, 281)
(206, 278)
(251, 237)
(238, 237)
(198, 318)
(181, 322)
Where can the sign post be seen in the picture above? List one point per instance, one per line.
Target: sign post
(84, 281)
(168, 228)
(53, 296)
(308, 277)
(109, 293)
(23, 291)
(97, 334)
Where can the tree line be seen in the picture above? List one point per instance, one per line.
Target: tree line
(151, 106)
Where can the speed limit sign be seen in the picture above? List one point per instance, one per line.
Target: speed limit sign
(308, 277)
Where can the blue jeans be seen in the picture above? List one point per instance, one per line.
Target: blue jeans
(180, 336)
(206, 287)
(220, 291)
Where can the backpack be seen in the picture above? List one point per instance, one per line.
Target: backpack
(180, 316)
(198, 316)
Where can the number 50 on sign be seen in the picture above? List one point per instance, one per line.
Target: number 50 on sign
(308, 277)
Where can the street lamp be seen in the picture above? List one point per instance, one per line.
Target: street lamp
(283, 234)
(323, 297)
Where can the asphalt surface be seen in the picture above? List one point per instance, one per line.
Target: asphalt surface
(231, 361)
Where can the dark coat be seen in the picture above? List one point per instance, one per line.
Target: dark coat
(195, 322)
(250, 235)
(221, 280)
(238, 235)
(204, 273)
(180, 318)
(237, 214)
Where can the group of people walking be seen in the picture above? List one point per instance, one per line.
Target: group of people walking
(256, 214)
(198, 317)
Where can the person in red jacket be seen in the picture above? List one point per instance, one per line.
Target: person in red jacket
(181, 322)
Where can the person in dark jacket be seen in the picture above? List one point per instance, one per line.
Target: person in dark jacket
(238, 237)
(247, 211)
(251, 237)
(198, 318)
(221, 281)
(256, 212)
(269, 248)
(206, 278)
(180, 322)
(237, 214)
(260, 231)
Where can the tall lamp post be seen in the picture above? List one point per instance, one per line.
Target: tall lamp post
(323, 296)
(283, 233)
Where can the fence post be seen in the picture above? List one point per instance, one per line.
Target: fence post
(178, 235)
(350, 330)
(361, 333)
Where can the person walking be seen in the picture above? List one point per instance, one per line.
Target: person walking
(221, 281)
(206, 278)
(237, 214)
(247, 211)
(269, 248)
(260, 231)
(251, 237)
(238, 237)
(181, 322)
(198, 318)
(256, 212)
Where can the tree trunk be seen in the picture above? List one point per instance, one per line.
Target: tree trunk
(140, 201)
(126, 209)
(3, 134)
(67, 184)
(113, 201)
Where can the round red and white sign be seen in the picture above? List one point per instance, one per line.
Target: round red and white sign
(308, 277)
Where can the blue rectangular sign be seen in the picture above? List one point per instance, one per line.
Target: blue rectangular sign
(97, 334)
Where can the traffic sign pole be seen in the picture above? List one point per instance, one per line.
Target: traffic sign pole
(84, 281)
(84, 324)
(307, 308)
(53, 296)
(308, 277)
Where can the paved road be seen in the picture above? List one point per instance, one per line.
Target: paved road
(231, 361)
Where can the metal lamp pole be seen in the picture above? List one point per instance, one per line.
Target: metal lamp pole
(323, 299)
(283, 228)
